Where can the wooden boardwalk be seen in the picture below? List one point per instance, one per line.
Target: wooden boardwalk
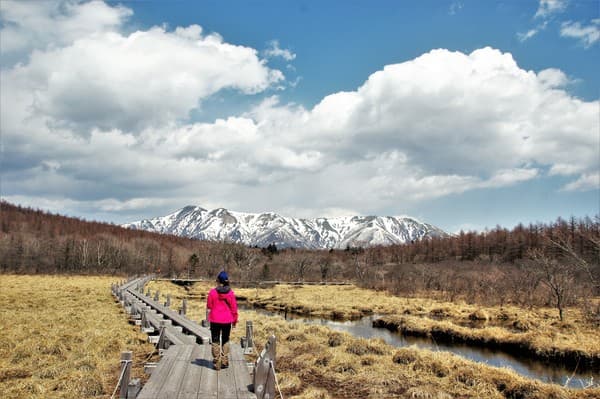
(185, 370)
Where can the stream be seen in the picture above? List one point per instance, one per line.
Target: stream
(534, 369)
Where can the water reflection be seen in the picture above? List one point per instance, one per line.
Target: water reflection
(538, 370)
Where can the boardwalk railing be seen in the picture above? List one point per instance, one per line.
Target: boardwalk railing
(185, 368)
(264, 371)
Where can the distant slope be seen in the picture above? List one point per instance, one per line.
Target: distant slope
(262, 229)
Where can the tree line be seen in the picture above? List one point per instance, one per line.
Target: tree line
(554, 263)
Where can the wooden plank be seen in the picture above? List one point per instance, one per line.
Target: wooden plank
(192, 380)
(173, 335)
(172, 385)
(243, 380)
(226, 381)
(188, 325)
(159, 376)
(209, 387)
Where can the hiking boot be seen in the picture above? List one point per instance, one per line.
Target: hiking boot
(216, 354)
(225, 356)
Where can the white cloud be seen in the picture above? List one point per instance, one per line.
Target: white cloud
(553, 77)
(547, 8)
(29, 24)
(130, 82)
(532, 32)
(527, 35)
(503, 178)
(586, 182)
(101, 122)
(275, 51)
(588, 35)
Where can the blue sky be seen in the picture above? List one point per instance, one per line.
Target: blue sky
(465, 114)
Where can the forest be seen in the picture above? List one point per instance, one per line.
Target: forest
(541, 264)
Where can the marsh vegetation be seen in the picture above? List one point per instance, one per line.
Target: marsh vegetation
(318, 362)
(532, 290)
(61, 337)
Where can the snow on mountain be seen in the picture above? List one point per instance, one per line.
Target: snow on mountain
(262, 229)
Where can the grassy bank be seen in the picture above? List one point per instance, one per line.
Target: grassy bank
(535, 332)
(538, 331)
(61, 337)
(559, 343)
(314, 362)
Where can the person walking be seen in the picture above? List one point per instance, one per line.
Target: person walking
(222, 313)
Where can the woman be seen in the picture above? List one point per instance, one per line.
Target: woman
(221, 307)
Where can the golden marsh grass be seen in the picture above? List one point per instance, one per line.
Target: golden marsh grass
(61, 337)
(538, 328)
(316, 362)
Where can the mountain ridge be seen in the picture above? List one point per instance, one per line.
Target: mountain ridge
(263, 229)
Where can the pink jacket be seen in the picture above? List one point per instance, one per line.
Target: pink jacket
(223, 306)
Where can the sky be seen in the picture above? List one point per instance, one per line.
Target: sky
(463, 114)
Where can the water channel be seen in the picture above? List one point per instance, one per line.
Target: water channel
(362, 328)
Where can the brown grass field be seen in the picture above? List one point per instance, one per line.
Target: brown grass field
(61, 337)
(538, 331)
(315, 362)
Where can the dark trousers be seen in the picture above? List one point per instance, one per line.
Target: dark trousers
(220, 332)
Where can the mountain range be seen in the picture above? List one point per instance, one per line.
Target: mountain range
(263, 229)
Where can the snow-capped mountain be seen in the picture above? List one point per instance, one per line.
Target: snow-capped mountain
(262, 229)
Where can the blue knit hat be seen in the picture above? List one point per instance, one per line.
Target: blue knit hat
(223, 277)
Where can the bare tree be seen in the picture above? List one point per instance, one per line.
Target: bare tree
(558, 276)
(192, 264)
(302, 265)
(324, 267)
(245, 260)
(566, 245)
(360, 265)
(523, 282)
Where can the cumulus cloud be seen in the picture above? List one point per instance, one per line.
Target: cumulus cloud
(441, 124)
(588, 35)
(109, 80)
(31, 25)
(102, 122)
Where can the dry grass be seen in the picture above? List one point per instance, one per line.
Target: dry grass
(538, 329)
(61, 337)
(315, 362)
(52, 346)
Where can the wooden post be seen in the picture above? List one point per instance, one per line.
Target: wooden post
(126, 358)
(168, 303)
(148, 293)
(184, 307)
(249, 342)
(144, 319)
(134, 388)
(264, 369)
(161, 344)
(156, 295)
